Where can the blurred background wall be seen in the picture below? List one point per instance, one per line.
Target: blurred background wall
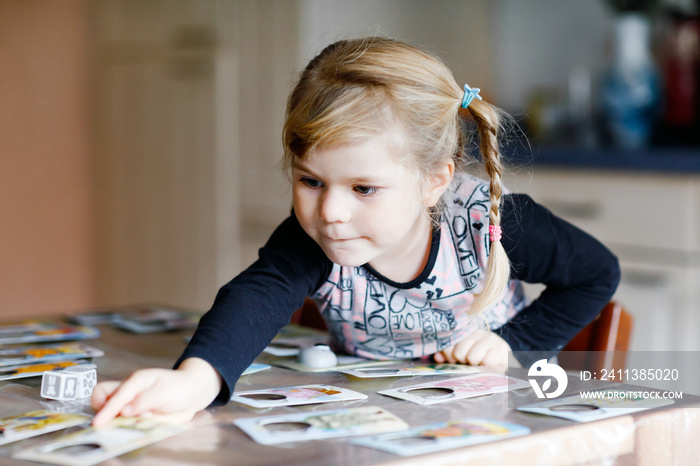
(47, 169)
(140, 139)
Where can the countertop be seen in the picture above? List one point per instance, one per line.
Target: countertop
(666, 160)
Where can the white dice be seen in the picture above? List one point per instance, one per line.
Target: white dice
(69, 383)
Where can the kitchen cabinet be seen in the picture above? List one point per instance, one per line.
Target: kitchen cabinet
(651, 222)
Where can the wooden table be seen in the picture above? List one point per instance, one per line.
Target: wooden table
(655, 437)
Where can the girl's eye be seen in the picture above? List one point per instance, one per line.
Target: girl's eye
(365, 190)
(311, 183)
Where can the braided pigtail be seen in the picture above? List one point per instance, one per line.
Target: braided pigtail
(488, 122)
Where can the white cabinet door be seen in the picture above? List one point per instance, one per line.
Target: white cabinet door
(652, 223)
(166, 155)
(651, 211)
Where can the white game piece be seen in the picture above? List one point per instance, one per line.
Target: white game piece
(88, 379)
(70, 383)
(318, 357)
(58, 385)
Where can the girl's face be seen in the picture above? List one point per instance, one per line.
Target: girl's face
(362, 205)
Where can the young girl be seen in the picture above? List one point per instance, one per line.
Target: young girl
(405, 255)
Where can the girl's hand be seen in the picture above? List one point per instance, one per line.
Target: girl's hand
(169, 395)
(481, 348)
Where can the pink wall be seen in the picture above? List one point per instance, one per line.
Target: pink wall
(46, 211)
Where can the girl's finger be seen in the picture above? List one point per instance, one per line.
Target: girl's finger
(152, 401)
(464, 347)
(123, 395)
(102, 392)
(478, 350)
(448, 355)
(494, 358)
(460, 351)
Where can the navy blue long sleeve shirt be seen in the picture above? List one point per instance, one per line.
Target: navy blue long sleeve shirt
(579, 273)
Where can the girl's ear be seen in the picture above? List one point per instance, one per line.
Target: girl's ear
(438, 184)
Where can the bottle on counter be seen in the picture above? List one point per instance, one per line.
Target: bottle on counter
(681, 72)
(631, 87)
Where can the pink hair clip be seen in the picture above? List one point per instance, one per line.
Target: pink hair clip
(495, 233)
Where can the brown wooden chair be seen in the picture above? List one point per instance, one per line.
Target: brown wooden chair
(602, 344)
(308, 315)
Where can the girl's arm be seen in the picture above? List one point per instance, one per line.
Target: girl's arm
(247, 313)
(581, 275)
(250, 310)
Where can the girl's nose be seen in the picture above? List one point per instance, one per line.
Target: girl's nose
(334, 207)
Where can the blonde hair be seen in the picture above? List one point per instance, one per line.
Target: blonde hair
(358, 89)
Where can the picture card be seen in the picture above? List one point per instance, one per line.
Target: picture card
(46, 353)
(136, 316)
(255, 367)
(442, 436)
(456, 388)
(344, 362)
(40, 332)
(155, 319)
(602, 405)
(282, 348)
(37, 370)
(295, 396)
(96, 316)
(406, 370)
(34, 423)
(292, 338)
(297, 427)
(90, 446)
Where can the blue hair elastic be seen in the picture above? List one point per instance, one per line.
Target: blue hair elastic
(469, 94)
